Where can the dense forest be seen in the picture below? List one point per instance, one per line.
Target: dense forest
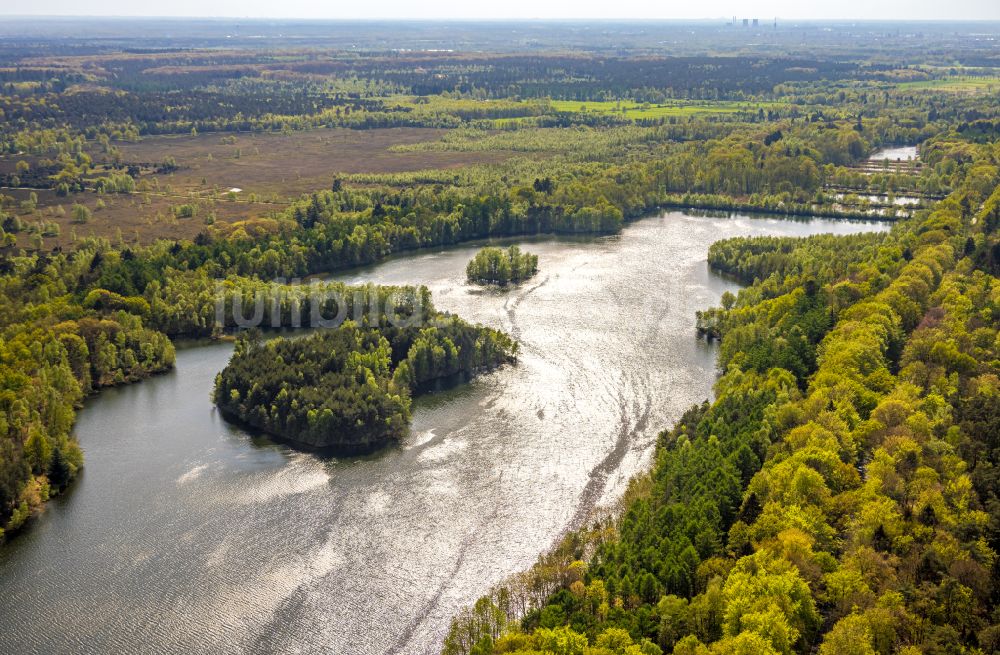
(348, 389)
(501, 266)
(56, 349)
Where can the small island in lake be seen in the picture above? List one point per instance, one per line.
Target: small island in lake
(501, 266)
(348, 390)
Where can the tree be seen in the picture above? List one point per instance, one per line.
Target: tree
(80, 213)
(850, 636)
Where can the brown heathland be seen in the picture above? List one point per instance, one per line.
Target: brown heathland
(270, 169)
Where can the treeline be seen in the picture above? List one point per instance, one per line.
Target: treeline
(839, 494)
(349, 226)
(501, 266)
(349, 389)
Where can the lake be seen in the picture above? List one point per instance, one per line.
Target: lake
(186, 534)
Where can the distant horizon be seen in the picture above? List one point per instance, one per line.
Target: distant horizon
(526, 10)
(497, 19)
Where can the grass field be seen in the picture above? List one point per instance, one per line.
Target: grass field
(635, 110)
(955, 85)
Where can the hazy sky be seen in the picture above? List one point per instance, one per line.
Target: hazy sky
(436, 9)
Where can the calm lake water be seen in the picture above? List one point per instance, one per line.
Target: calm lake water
(895, 152)
(184, 534)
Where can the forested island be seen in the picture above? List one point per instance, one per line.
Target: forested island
(501, 266)
(348, 389)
